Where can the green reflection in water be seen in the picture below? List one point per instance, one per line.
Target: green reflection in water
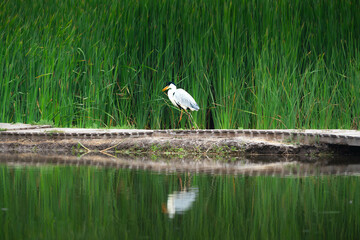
(86, 202)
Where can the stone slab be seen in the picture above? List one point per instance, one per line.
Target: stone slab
(39, 133)
(20, 126)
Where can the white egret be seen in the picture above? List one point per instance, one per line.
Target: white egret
(181, 99)
(180, 202)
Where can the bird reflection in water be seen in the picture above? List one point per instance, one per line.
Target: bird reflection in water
(181, 201)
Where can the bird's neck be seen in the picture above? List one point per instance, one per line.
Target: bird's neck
(171, 91)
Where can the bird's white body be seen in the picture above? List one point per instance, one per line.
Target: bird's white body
(181, 98)
(180, 202)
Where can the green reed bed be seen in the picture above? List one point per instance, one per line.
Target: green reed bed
(249, 64)
(86, 202)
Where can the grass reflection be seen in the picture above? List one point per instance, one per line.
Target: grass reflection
(87, 202)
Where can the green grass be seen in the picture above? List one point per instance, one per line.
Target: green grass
(248, 64)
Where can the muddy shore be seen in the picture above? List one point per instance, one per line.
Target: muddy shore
(23, 138)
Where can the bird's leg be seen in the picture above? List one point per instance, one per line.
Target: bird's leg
(191, 120)
(180, 182)
(180, 116)
(189, 180)
(192, 125)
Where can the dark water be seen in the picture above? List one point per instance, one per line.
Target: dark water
(88, 202)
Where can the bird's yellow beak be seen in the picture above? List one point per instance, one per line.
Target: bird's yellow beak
(165, 88)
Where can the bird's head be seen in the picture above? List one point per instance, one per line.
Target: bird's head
(170, 85)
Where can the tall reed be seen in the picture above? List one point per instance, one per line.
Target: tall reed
(248, 64)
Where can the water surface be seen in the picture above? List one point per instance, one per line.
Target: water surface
(89, 202)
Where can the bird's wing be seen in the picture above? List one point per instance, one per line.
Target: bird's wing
(185, 100)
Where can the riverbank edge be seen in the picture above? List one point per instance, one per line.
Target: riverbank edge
(24, 138)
